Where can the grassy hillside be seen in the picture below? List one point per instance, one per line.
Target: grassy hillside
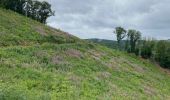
(41, 63)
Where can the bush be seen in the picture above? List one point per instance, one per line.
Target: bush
(147, 48)
(163, 53)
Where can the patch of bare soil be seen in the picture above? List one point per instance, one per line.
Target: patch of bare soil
(59, 32)
(136, 67)
(75, 79)
(40, 30)
(149, 90)
(103, 75)
(163, 69)
(57, 59)
(113, 63)
(74, 53)
(40, 54)
(96, 54)
(116, 64)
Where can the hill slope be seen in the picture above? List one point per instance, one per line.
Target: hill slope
(41, 63)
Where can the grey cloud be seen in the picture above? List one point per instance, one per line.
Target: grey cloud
(97, 18)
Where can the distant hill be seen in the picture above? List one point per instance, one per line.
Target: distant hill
(108, 43)
(38, 62)
(104, 42)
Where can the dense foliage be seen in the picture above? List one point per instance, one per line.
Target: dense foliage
(36, 10)
(147, 48)
(158, 51)
(133, 37)
(163, 53)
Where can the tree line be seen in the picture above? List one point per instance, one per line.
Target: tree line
(156, 50)
(34, 9)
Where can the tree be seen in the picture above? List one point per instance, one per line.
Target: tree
(133, 37)
(27, 8)
(120, 34)
(3, 3)
(45, 11)
(34, 9)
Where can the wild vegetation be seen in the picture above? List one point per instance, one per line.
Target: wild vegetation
(38, 62)
(34, 9)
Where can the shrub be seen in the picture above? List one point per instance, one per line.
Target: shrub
(147, 48)
(163, 53)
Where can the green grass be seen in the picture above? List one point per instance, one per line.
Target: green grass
(57, 66)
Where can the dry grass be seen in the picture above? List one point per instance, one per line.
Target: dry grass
(40, 30)
(74, 53)
(57, 59)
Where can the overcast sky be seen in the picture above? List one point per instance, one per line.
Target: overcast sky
(98, 18)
